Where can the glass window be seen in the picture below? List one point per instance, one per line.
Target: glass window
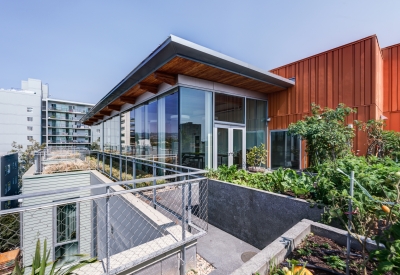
(168, 124)
(66, 222)
(195, 128)
(29, 118)
(256, 123)
(285, 150)
(30, 128)
(152, 125)
(29, 109)
(65, 253)
(30, 137)
(229, 108)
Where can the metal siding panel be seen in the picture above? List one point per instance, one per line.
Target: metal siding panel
(312, 81)
(386, 86)
(393, 80)
(347, 71)
(322, 83)
(357, 75)
(330, 80)
(335, 97)
(306, 86)
(368, 72)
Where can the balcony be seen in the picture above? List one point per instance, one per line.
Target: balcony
(152, 217)
(67, 110)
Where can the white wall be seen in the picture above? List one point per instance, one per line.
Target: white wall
(40, 223)
(13, 118)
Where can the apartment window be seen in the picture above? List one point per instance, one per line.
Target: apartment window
(67, 238)
(29, 118)
(98, 130)
(29, 109)
(30, 128)
(29, 146)
(7, 169)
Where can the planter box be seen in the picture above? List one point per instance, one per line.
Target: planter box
(277, 251)
(252, 215)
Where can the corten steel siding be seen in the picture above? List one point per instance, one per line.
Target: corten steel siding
(350, 74)
(391, 86)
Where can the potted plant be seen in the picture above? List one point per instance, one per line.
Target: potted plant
(256, 157)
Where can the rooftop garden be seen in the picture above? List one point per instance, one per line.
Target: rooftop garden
(326, 182)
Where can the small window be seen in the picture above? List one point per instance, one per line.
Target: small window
(29, 109)
(30, 128)
(30, 138)
(98, 130)
(7, 169)
(29, 146)
(29, 118)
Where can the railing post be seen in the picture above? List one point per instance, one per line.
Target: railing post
(134, 172)
(110, 165)
(120, 168)
(350, 222)
(126, 167)
(97, 160)
(183, 249)
(189, 209)
(104, 160)
(108, 226)
(154, 184)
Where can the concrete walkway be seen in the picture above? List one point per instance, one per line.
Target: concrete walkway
(223, 250)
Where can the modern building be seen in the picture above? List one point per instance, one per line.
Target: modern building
(61, 126)
(209, 109)
(20, 116)
(29, 114)
(9, 183)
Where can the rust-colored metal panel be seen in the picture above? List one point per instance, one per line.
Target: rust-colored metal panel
(368, 72)
(350, 74)
(391, 86)
(347, 90)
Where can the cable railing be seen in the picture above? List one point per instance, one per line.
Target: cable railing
(160, 208)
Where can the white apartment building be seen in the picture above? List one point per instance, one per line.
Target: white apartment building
(28, 113)
(20, 115)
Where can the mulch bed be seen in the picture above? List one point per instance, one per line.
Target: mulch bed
(314, 250)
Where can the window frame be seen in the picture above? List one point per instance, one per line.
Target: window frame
(270, 146)
(55, 228)
(29, 109)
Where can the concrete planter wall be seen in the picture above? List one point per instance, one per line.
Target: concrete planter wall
(255, 216)
(277, 251)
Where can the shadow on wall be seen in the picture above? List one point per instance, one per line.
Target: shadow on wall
(255, 216)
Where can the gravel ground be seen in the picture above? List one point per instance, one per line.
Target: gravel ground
(203, 267)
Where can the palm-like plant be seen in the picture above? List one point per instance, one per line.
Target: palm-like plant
(40, 264)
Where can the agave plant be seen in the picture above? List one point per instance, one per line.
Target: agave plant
(40, 263)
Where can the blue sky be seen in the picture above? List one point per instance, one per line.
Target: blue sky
(82, 49)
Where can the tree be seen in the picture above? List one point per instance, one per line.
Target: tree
(326, 133)
(26, 158)
(94, 146)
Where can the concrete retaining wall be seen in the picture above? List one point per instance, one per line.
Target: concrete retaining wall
(278, 250)
(255, 216)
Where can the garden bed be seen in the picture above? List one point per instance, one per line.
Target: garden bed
(288, 246)
(324, 257)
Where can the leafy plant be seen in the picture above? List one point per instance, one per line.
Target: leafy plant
(335, 262)
(40, 264)
(257, 156)
(326, 133)
(304, 251)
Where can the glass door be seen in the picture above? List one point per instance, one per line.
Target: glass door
(230, 146)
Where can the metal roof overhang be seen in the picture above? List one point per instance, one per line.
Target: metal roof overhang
(178, 47)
